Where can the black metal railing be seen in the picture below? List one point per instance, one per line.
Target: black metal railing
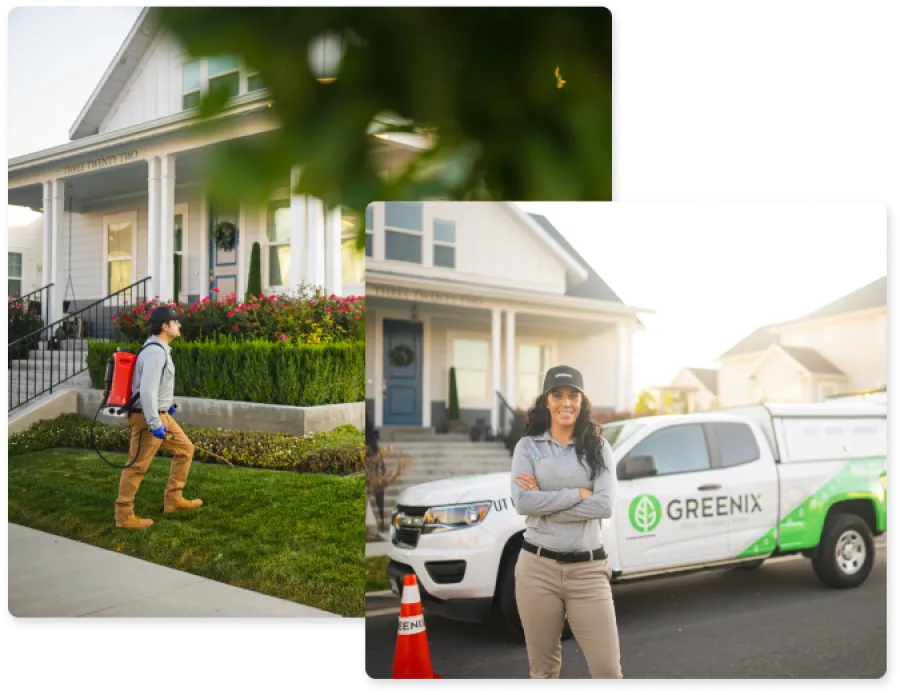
(511, 425)
(47, 356)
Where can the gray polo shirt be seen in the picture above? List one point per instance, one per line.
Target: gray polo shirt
(154, 378)
(556, 517)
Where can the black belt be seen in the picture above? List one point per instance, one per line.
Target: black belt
(140, 410)
(581, 556)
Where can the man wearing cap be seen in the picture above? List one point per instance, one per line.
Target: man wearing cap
(152, 424)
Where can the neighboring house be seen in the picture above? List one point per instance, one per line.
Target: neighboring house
(24, 259)
(124, 198)
(495, 292)
(839, 348)
(698, 387)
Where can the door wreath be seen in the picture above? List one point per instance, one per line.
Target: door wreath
(225, 235)
(402, 356)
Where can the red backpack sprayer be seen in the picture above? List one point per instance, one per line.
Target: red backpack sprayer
(118, 399)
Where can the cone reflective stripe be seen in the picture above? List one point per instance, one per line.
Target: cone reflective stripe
(412, 658)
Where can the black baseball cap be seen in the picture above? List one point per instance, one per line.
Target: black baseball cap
(563, 376)
(162, 314)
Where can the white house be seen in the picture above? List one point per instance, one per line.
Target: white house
(24, 259)
(124, 197)
(839, 348)
(699, 387)
(493, 291)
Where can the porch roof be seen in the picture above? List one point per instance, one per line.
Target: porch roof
(388, 285)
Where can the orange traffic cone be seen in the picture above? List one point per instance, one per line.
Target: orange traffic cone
(412, 658)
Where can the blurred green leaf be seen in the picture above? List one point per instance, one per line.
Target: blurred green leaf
(480, 83)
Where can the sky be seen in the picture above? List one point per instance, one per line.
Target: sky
(711, 273)
(714, 272)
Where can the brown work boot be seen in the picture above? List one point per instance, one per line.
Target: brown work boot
(182, 504)
(135, 522)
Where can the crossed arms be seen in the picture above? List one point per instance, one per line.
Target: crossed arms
(561, 506)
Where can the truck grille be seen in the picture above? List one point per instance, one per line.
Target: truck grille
(406, 537)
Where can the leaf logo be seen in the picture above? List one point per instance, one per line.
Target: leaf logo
(645, 513)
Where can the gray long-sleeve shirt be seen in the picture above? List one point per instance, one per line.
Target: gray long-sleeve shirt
(556, 517)
(154, 378)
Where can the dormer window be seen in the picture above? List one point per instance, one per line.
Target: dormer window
(221, 72)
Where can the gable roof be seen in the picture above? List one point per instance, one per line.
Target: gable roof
(871, 296)
(592, 288)
(811, 360)
(117, 75)
(708, 377)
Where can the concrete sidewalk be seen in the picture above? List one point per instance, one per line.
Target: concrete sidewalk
(51, 576)
(377, 548)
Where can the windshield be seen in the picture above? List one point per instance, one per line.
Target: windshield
(618, 433)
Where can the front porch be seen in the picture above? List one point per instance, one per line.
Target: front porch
(500, 349)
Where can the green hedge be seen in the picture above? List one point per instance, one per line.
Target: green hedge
(257, 371)
(339, 452)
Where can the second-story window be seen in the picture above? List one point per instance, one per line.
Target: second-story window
(224, 73)
(221, 72)
(403, 232)
(444, 244)
(191, 84)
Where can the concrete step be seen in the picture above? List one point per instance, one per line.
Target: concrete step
(440, 448)
(44, 360)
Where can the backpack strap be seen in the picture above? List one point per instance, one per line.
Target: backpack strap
(135, 396)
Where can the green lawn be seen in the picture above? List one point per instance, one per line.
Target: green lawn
(297, 537)
(376, 575)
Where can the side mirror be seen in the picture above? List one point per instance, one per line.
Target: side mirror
(637, 467)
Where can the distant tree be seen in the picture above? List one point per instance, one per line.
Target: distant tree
(646, 404)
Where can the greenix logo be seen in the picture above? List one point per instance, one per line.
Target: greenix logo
(645, 513)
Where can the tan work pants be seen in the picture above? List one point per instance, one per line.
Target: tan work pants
(547, 592)
(132, 476)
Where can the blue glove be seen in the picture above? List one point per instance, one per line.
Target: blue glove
(159, 432)
(172, 409)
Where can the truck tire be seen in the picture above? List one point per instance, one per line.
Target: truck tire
(509, 610)
(846, 552)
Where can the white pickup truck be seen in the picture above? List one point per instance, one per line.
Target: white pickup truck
(726, 488)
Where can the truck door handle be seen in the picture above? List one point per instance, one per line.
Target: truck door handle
(710, 486)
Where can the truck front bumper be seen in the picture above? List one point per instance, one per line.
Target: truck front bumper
(468, 610)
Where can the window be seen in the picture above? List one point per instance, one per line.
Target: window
(278, 234)
(677, 449)
(353, 263)
(737, 445)
(178, 249)
(224, 74)
(472, 361)
(534, 361)
(119, 245)
(191, 82)
(444, 244)
(370, 225)
(403, 232)
(14, 271)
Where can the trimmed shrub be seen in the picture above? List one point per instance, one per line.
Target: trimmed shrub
(254, 281)
(257, 371)
(339, 452)
(453, 408)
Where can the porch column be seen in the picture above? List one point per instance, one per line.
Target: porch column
(511, 358)
(297, 272)
(47, 248)
(315, 242)
(167, 228)
(57, 216)
(623, 361)
(153, 226)
(496, 325)
(333, 258)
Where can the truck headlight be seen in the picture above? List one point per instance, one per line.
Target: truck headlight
(454, 517)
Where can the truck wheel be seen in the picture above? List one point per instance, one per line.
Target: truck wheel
(846, 552)
(507, 601)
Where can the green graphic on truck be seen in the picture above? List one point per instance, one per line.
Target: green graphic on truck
(800, 529)
(645, 513)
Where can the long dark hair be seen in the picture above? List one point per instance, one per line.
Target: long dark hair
(588, 435)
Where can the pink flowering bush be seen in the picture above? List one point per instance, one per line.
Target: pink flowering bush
(303, 320)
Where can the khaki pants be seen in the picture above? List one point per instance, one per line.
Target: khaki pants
(132, 476)
(547, 592)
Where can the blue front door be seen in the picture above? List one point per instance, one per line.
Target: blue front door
(402, 373)
(223, 264)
